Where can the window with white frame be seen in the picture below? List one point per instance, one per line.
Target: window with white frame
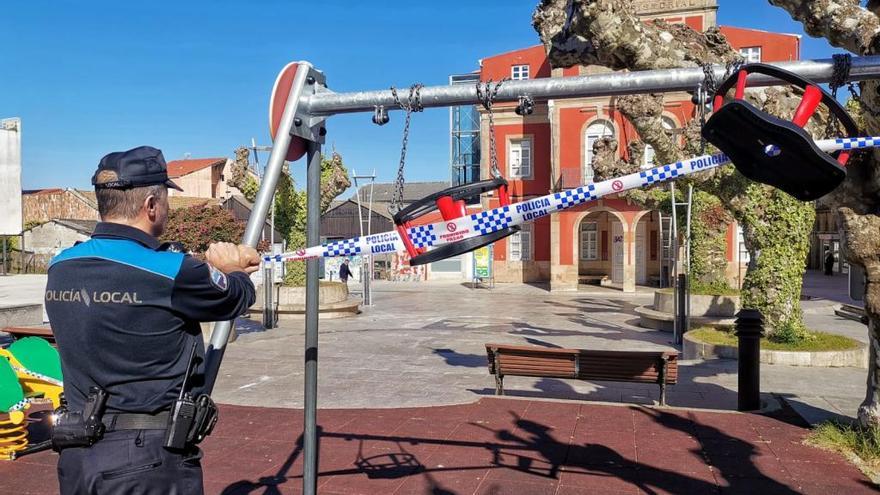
(520, 158)
(751, 54)
(589, 241)
(519, 72)
(520, 244)
(648, 159)
(596, 131)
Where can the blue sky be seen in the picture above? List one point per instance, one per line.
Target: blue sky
(194, 77)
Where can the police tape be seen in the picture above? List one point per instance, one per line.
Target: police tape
(486, 222)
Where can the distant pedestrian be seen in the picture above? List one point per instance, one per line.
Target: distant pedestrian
(829, 262)
(344, 272)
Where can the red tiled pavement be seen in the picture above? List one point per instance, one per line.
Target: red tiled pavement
(500, 446)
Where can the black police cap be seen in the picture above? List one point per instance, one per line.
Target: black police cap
(137, 167)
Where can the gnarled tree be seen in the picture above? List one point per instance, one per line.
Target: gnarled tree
(845, 24)
(775, 226)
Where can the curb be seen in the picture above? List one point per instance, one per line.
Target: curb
(850, 358)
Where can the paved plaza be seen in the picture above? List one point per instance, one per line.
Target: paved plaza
(423, 344)
(407, 404)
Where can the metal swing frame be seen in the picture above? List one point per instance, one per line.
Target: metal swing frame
(310, 103)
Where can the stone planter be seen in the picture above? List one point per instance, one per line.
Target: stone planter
(333, 301)
(723, 306)
(850, 358)
(717, 311)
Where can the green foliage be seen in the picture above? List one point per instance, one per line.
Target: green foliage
(12, 242)
(295, 274)
(849, 439)
(855, 110)
(291, 208)
(814, 342)
(709, 221)
(198, 226)
(716, 288)
(250, 188)
(779, 228)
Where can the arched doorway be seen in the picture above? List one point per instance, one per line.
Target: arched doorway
(647, 249)
(599, 247)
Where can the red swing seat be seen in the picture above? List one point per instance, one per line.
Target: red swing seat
(772, 150)
(452, 204)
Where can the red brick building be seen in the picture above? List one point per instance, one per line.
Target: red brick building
(552, 149)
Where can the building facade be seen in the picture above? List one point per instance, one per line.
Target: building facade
(202, 178)
(610, 240)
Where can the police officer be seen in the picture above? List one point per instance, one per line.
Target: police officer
(125, 311)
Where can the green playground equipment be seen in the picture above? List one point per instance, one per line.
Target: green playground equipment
(13, 430)
(31, 369)
(38, 367)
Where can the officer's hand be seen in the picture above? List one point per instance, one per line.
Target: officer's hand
(250, 257)
(228, 257)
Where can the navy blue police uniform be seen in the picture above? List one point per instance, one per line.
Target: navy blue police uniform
(125, 312)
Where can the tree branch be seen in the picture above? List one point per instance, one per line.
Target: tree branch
(608, 33)
(842, 22)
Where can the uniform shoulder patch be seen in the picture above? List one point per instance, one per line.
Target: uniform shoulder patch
(218, 278)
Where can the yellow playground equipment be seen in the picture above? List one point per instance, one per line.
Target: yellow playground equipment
(30, 368)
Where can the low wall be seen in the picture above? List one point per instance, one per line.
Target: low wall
(328, 293)
(21, 315)
(664, 301)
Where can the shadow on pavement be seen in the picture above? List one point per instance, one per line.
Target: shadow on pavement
(541, 452)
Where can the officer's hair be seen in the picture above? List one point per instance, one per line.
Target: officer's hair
(124, 203)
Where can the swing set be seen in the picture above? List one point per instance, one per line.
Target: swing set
(764, 148)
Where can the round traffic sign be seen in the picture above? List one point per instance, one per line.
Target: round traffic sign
(280, 92)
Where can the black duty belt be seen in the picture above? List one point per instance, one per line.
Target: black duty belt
(134, 421)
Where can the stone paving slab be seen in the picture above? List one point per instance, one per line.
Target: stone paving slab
(506, 446)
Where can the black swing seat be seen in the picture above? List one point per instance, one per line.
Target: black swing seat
(796, 166)
(451, 202)
(775, 151)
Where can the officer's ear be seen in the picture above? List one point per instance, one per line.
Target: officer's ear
(150, 204)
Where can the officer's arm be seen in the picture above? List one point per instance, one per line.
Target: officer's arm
(203, 293)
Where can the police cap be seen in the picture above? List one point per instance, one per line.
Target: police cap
(137, 167)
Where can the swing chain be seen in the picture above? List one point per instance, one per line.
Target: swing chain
(487, 97)
(839, 76)
(413, 104)
(526, 106)
(706, 90)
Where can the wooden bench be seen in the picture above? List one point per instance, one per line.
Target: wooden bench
(660, 367)
(22, 332)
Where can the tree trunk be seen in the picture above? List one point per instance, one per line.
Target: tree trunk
(845, 24)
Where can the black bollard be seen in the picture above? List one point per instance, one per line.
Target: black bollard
(268, 297)
(749, 330)
(681, 313)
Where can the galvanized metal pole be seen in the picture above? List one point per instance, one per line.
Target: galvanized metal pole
(313, 233)
(257, 218)
(617, 83)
